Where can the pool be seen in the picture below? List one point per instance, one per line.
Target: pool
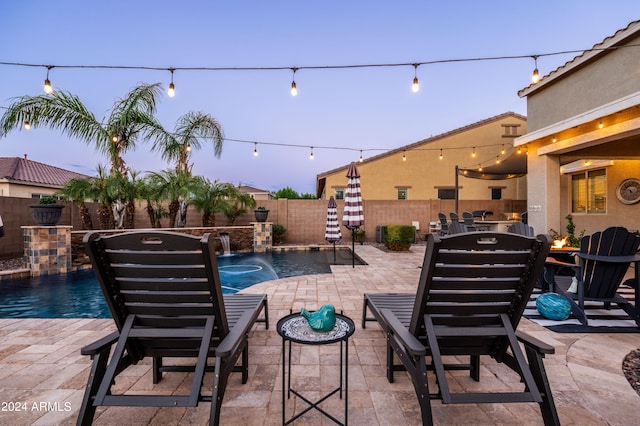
(78, 294)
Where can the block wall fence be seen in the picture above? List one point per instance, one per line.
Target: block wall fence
(304, 220)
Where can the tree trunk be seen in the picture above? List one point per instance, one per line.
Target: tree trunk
(85, 215)
(208, 219)
(129, 215)
(152, 215)
(105, 216)
(174, 206)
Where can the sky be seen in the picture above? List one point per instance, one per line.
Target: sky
(371, 109)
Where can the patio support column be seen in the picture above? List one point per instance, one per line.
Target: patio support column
(262, 239)
(47, 249)
(543, 191)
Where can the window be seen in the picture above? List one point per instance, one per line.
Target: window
(510, 130)
(589, 192)
(403, 193)
(446, 193)
(496, 193)
(339, 195)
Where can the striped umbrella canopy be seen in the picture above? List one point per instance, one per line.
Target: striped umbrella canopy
(353, 214)
(332, 232)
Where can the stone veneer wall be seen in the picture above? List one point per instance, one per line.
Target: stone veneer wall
(47, 249)
(262, 240)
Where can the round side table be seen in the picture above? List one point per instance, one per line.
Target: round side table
(295, 328)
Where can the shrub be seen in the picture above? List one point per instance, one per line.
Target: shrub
(278, 232)
(47, 199)
(399, 237)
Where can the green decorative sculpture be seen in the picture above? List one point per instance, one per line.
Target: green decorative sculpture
(321, 320)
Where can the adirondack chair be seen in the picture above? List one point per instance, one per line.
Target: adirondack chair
(454, 217)
(457, 228)
(444, 225)
(472, 292)
(521, 228)
(165, 296)
(469, 221)
(603, 261)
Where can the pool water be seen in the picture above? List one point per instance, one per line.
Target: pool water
(78, 294)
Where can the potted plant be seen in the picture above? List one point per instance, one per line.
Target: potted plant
(261, 214)
(47, 212)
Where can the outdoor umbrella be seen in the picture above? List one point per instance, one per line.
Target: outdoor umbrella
(353, 214)
(332, 232)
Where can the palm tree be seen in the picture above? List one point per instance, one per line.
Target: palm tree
(238, 204)
(190, 130)
(150, 191)
(211, 198)
(179, 188)
(79, 190)
(131, 118)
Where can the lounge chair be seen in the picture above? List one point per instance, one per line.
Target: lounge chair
(472, 292)
(521, 228)
(165, 295)
(604, 259)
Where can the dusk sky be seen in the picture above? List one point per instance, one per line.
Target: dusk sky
(371, 109)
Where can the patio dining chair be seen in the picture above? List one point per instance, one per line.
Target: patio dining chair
(444, 225)
(471, 295)
(165, 296)
(603, 261)
(521, 228)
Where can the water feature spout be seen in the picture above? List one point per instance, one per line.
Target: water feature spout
(226, 245)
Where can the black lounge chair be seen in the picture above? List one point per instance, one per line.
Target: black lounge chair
(457, 228)
(604, 259)
(165, 295)
(472, 292)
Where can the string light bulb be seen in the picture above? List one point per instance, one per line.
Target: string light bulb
(502, 150)
(311, 155)
(535, 77)
(480, 168)
(404, 155)
(47, 84)
(255, 149)
(294, 88)
(497, 159)
(361, 159)
(172, 88)
(27, 125)
(473, 154)
(601, 125)
(441, 156)
(114, 138)
(554, 140)
(188, 147)
(415, 86)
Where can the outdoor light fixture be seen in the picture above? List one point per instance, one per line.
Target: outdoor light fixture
(188, 147)
(27, 125)
(404, 155)
(479, 168)
(600, 126)
(172, 88)
(114, 138)
(47, 84)
(311, 155)
(294, 88)
(441, 156)
(255, 149)
(361, 159)
(415, 87)
(497, 160)
(535, 77)
(554, 140)
(473, 154)
(502, 151)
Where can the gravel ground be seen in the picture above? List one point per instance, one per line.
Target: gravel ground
(11, 264)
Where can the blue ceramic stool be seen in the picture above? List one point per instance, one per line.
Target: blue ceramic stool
(553, 306)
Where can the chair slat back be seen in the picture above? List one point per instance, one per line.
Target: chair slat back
(602, 279)
(166, 279)
(470, 279)
(521, 228)
(444, 225)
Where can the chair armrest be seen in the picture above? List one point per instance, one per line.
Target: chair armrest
(233, 341)
(401, 333)
(609, 259)
(100, 345)
(538, 345)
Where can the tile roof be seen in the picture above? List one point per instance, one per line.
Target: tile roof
(23, 170)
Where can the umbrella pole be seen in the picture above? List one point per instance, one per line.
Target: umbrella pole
(353, 248)
(334, 252)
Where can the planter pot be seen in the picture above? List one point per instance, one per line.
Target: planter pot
(261, 215)
(46, 214)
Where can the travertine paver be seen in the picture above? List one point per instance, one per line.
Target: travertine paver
(42, 374)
